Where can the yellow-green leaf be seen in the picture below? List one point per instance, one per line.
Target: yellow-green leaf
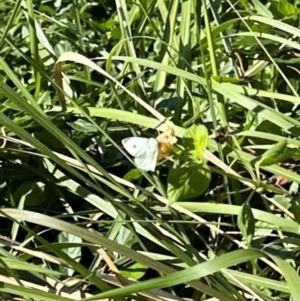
(195, 140)
(187, 182)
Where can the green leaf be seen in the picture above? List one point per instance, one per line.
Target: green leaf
(247, 5)
(295, 209)
(246, 222)
(275, 154)
(282, 200)
(225, 79)
(262, 9)
(125, 237)
(133, 174)
(266, 126)
(83, 126)
(189, 274)
(187, 182)
(283, 8)
(134, 271)
(291, 277)
(33, 193)
(73, 252)
(195, 140)
(294, 188)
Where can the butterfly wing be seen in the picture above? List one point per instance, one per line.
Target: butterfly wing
(147, 161)
(144, 151)
(135, 146)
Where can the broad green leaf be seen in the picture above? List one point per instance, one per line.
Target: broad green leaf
(133, 174)
(246, 222)
(185, 183)
(266, 126)
(275, 154)
(73, 252)
(294, 188)
(283, 201)
(125, 237)
(283, 8)
(33, 193)
(262, 228)
(195, 140)
(83, 126)
(11, 105)
(134, 271)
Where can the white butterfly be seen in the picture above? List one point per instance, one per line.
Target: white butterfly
(144, 151)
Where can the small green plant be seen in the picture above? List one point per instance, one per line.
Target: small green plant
(192, 178)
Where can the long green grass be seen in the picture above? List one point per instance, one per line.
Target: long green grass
(218, 218)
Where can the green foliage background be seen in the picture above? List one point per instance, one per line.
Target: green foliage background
(219, 218)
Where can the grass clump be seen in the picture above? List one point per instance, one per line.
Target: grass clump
(208, 209)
